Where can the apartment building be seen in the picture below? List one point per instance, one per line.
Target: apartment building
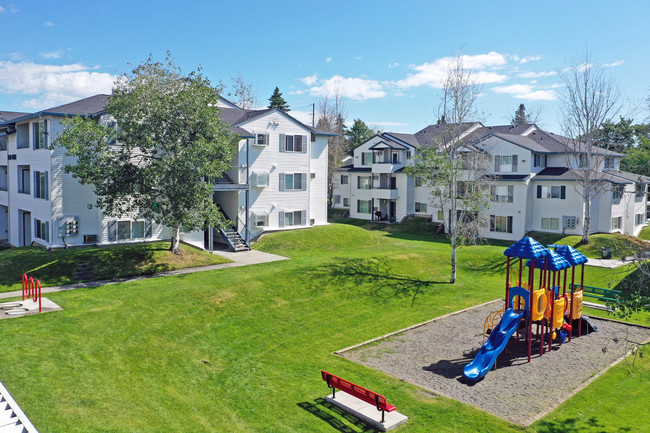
(536, 182)
(277, 182)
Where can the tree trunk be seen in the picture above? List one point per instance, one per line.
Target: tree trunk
(587, 218)
(452, 280)
(174, 248)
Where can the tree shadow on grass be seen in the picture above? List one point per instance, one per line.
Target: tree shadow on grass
(384, 282)
(336, 416)
(576, 425)
(496, 265)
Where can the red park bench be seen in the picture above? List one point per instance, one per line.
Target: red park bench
(354, 390)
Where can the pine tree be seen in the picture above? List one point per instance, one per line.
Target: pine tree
(520, 116)
(277, 101)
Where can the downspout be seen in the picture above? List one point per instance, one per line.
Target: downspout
(309, 179)
(248, 233)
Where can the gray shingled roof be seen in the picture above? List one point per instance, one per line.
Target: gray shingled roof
(7, 116)
(84, 107)
(563, 173)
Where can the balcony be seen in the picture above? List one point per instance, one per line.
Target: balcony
(233, 180)
(386, 193)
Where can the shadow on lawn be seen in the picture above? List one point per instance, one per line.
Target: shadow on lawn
(384, 281)
(575, 425)
(333, 415)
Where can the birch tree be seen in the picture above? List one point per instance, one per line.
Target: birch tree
(453, 169)
(331, 117)
(590, 99)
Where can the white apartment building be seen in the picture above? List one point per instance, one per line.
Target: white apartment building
(277, 182)
(536, 183)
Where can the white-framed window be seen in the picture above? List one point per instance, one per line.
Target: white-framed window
(639, 190)
(346, 202)
(503, 193)
(261, 139)
(41, 185)
(609, 163)
(550, 224)
(123, 230)
(617, 223)
(260, 179)
(22, 136)
(23, 179)
(555, 191)
(441, 215)
(364, 182)
(293, 218)
(40, 134)
(3, 177)
(617, 191)
(420, 207)
(366, 158)
(408, 154)
(364, 206)
(345, 179)
(582, 161)
(539, 160)
(293, 181)
(505, 163)
(418, 181)
(293, 143)
(501, 224)
(260, 219)
(42, 230)
(638, 219)
(337, 199)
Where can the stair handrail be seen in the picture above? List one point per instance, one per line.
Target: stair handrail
(246, 232)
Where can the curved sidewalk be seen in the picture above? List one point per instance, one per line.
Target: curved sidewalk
(243, 258)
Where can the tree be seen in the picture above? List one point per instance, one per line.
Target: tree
(523, 117)
(277, 101)
(589, 100)
(455, 172)
(169, 142)
(358, 133)
(331, 117)
(243, 93)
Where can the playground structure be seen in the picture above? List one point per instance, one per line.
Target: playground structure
(32, 289)
(550, 307)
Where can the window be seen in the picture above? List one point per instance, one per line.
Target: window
(617, 192)
(40, 134)
(42, 230)
(638, 219)
(363, 206)
(441, 215)
(551, 191)
(420, 207)
(3, 178)
(123, 230)
(293, 181)
(502, 224)
(337, 199)
(293, 143)
(582, 161)
(364, 182)
(550, 224)
(505, 163)
(408, 154)
(539, 160)
(346, 202)
(260, 179)
(3, 141)
(261, 139)
(294, 218)
(345, 179)
(23, 179)
(639, 190)
(22, 136)
(418, 181)
(41, 189)
(609, 163)
(260, 220)
(503, 193)
(127, 230)
(617, 222)
(366, 158)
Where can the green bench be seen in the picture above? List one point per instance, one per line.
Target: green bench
(598, 292)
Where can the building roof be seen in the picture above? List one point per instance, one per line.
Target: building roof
(91, 106)
(7, 116)
(632, 177)
(564, 173)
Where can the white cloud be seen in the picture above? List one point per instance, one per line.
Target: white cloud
(2, 10)
(52, 54)
(530, 59)
(524, 91)
(310, 80)
(433, 74)
(51, 84)
(616, 63)
(537, 74)
(358, 58)
(393, 65)
(353, 88)
(329, 59)
(48, 23)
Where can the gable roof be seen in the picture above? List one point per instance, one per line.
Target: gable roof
(91, 106)
(235, 117)
(7, 116)
(564, 173)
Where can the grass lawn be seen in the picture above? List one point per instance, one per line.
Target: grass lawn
(621, 245)
(645, 234)
(59, 266)
(241, 349)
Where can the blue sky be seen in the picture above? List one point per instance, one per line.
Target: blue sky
(385, 57)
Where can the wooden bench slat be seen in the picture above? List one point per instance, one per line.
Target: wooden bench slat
(357, 391)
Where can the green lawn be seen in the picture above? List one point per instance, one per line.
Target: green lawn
(60, 266)
(621, 245)
(241, 349)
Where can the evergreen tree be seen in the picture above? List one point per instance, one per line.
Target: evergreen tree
(520, 116)
(277, 101)
(357, 134)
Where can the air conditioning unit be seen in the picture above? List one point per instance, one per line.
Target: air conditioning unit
(91, 239)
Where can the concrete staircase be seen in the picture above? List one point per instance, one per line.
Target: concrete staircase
(12, 418)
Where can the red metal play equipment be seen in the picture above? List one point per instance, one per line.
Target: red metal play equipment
(32, 289)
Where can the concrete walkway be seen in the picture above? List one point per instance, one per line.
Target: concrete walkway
(607, 263)
(243, 258)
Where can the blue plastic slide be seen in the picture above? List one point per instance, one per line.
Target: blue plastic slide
(494, 346)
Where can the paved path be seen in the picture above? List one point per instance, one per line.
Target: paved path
(607, 263)
(243, 258)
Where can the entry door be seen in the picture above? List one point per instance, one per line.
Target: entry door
(27, 228)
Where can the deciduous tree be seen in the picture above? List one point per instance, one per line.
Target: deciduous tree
(331, 117)
(169, 143)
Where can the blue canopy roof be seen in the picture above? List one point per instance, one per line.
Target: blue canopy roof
(571, 255)
(554, 263)
(526, 248)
